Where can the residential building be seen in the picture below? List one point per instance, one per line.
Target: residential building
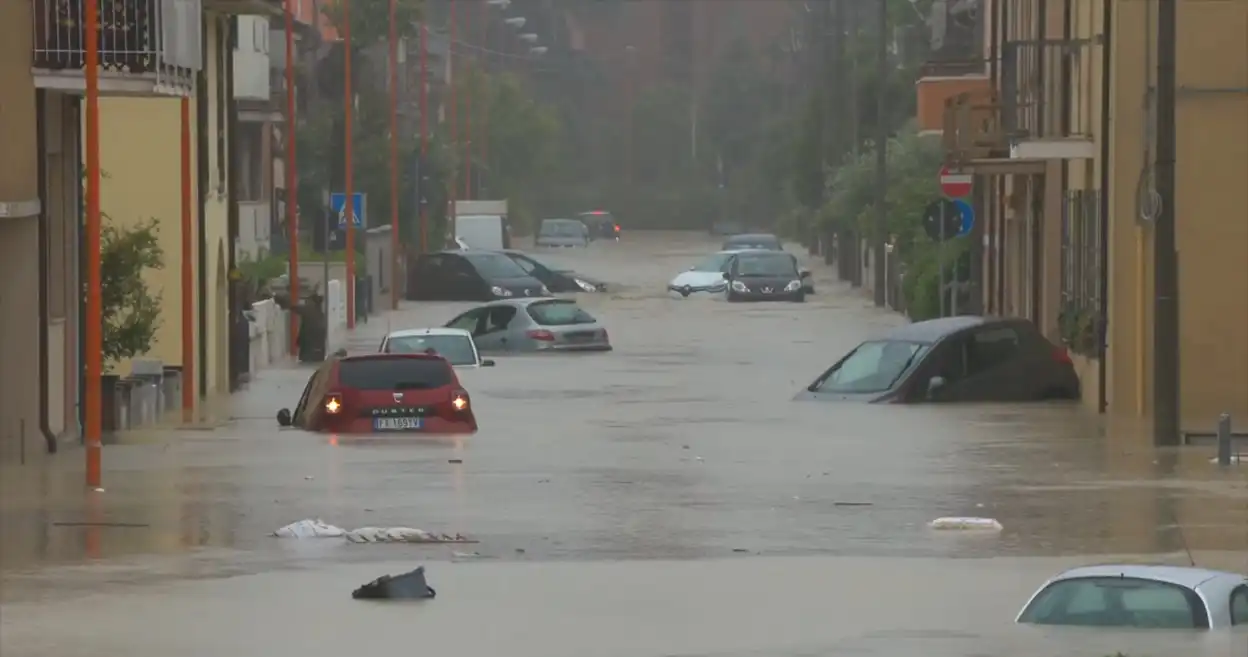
(153, 53)
(260, 97)
(1059, 127)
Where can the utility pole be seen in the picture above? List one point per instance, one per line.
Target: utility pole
(1166, 384)
(879, 235)
(834, 99)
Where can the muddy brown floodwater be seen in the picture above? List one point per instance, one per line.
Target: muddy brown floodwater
(665, 499)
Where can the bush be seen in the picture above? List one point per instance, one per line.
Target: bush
(131, 311)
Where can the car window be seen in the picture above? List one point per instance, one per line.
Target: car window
(398, 373)
(1239, 605)
(751, 264)
(431, 263)
(456, 349)
(872, 367)
(499, 318)
(559, 313)
(989, 348)
(468, 321)
(494, 265)
(529, 266)
(1116, 602)
(765, 242)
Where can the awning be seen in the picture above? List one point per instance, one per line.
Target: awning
(1002, 166)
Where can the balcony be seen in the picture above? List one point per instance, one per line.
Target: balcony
(1047, 97)
(146, 47)
(956, 63)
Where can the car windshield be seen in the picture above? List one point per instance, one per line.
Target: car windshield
(456, 349)
(872, 367)
(1116, 602)
(713, 263)
(766, 265)
(495, 265)
(559, 313)
(398, 373)
(767, 242)
(563, 228)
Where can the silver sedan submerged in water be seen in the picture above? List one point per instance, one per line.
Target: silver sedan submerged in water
(536, 324)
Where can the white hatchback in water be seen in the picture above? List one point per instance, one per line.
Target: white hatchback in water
(455, 345)
(706, 277)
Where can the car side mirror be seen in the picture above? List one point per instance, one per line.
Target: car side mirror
(934, 384)
(487, 363)
(283, 417)
(805, 273)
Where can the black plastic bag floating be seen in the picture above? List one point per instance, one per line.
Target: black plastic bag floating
(407, 586)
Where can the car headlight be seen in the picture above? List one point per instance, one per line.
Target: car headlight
(500, 292)
(585, 286)
(545, 291)
(738, 286)
(793, 286)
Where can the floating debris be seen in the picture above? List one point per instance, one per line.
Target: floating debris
(966, 523)
(320, 529)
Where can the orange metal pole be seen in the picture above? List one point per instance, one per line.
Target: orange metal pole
(484, 103)
(348, 202)
(450, 52)
(292, 180)
(394, 161)
(94, 339)
(424, 130)
(188, 278)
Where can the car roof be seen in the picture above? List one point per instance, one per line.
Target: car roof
(407, 333)
(562, 221)
(524, 302)
(736, 251)
(933, 330)
(744, 237)
(382, 356)
(1186, 576)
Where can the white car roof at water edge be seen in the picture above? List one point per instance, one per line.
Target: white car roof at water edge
(435, 330)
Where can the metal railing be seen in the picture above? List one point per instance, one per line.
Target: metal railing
(1083, 326)
(156, 39)
(1045, 87)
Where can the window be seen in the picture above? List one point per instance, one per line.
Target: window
(456, 349)
(559, 313)
(312, 391)
(717, 262)
(529, 266)
(1239, 605)
(989, 348)
(1116, 602)
(562, 228)
(499, 318)
(468, 321)
(494, 265)
(872, 367)
(400, 373)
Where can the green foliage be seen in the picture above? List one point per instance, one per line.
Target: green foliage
(131, 311)
(1080, 328)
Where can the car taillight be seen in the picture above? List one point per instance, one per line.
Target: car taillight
(1062, 356)
(333, 403)
(460, 401)
(617, 228)
(542, 335)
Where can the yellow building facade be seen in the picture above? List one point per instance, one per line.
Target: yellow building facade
(1063, 159)
(140, 155)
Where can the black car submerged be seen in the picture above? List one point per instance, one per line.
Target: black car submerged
(470, 276)
(967, 359)
(557, 280)
(602, 225)
(764, 276)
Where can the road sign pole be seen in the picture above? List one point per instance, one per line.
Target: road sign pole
(940, 260)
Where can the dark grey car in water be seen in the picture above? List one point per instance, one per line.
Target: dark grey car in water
(963, 359)
(764, 276)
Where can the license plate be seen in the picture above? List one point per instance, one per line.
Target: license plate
(580, 337)
(396, 423)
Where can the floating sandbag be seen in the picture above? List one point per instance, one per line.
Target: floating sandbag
(966, 523)
(320, 529)
(310, 529)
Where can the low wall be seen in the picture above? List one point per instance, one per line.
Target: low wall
(337, 328)
(270, 335)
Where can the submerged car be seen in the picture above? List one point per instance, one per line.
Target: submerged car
(533, 325)
(602, 225)
(562, 232)
(705, 277)
(455, 345)
(763, 241)
(469, 275)
(1142, 596)
(764, 276)
(382, 393)
(556, 280)
(962, 359)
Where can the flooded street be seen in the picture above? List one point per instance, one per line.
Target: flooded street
(667, 498)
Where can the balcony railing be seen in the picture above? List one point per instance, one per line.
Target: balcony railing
(146, 47)
(1044, 87)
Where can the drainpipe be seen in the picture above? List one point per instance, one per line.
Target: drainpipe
(231, 203)
(1107, 18)
(41, 149)
(201, 189)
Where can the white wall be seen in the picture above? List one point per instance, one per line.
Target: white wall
(253, 228)
(251, 59)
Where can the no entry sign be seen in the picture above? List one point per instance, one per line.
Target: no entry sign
(955, 184)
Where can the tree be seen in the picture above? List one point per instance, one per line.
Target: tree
(131, 311)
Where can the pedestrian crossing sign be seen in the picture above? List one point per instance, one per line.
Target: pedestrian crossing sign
(337, 203)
